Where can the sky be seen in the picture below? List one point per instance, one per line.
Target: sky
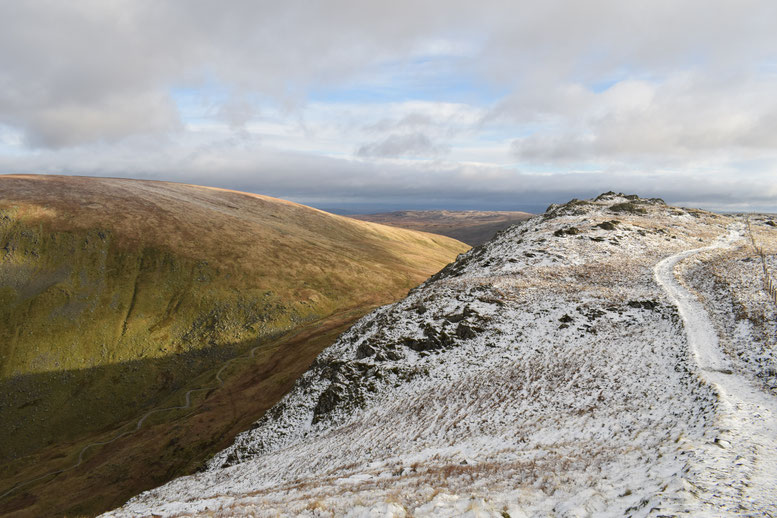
(364, 106)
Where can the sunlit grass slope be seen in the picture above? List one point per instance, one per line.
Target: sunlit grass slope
(97, 272)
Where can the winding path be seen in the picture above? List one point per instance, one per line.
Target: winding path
(735, 473)
(138, 425)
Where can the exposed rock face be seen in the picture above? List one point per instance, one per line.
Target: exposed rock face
(542, 373)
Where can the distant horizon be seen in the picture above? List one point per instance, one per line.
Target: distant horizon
(350, 206)
(377, 106)
(538, 209)
(367, 210)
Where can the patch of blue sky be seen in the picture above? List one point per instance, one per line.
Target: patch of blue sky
(546, 169)
(437, 79)
(768, 68)
(762, 165)
(506, 132)
(195, 103)
(603, 83)
(602, 86)
(12, 151)
(427, 78)
(11, 142)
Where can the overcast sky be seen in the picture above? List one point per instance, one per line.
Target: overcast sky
(375, 105)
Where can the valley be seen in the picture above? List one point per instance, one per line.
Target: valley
(358, 259)
(120, 296)
(473, 227)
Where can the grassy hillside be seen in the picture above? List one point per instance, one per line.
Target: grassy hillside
(116, 294)
(170, 443)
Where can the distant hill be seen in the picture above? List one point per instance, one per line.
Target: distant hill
(473, 227)
(117, 295)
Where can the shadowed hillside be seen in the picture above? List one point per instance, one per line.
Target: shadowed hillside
(117, 294)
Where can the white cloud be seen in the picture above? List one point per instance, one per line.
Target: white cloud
(654, 95)
(684, 120)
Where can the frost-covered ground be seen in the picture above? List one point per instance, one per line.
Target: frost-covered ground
(729, 282)
(546, 373)
(739, 468)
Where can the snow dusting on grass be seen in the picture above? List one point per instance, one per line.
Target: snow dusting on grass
(545, 373)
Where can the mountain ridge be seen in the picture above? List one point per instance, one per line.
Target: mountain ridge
(543, 373)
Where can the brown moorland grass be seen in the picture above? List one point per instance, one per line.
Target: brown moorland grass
(172, 444)
(116, 295)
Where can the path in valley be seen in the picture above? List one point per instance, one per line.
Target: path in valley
(138, 425)
(736, 472)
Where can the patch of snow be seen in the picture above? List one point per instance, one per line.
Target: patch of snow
(546, 373)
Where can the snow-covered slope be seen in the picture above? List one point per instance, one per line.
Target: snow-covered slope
(545, 373)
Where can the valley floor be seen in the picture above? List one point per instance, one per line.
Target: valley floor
(101, 471)
(581, 364)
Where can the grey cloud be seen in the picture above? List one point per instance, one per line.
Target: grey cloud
(410, 121)
(398, 145)
(65, 124)
(89, 82)
(76, 72)
(551, 42)
(331, 182)
(237, 111)
(84, 55)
